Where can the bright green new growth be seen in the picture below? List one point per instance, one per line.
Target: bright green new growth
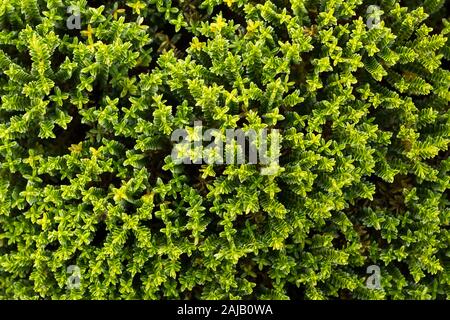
(87, 180)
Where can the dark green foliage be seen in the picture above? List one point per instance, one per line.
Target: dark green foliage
(86, 176)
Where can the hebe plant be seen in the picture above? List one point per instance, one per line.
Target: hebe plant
(87, 178)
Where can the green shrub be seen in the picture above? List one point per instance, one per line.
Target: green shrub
(359, 94)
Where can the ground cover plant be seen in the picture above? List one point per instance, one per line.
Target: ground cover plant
(352, 204)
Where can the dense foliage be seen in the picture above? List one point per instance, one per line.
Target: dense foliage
(87, 178)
